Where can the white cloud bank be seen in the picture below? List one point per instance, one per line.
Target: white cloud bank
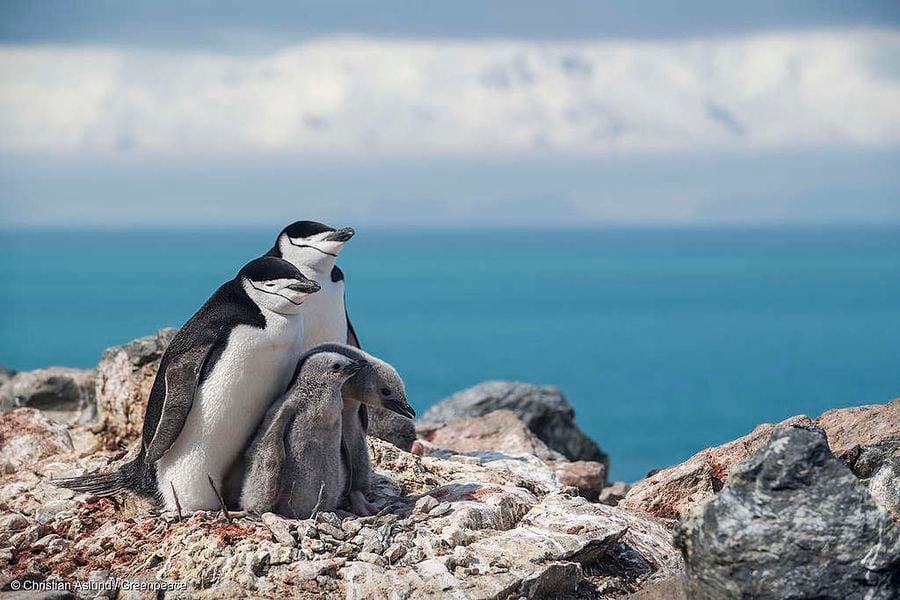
(361, 96)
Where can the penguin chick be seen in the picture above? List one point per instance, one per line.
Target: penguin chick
(294, 462)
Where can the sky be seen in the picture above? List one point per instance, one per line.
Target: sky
(436, 114)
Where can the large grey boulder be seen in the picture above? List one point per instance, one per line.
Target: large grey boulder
(542, 407)
(792, 522)
(63, 393)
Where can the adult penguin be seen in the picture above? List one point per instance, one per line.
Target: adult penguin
(215, 381)
(313, 248)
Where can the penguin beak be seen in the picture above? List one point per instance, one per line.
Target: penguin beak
(340, 235)
(306, 286)
(353, 368)
(399, 406)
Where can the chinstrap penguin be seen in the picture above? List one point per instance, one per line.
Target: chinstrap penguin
(380, 386)
(313, 248)
(294, 461)
(215, 381)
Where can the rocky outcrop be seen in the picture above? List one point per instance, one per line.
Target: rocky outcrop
(28, 436)
(63, 393)
(792, 522)
(542, 408)
(125, 375)
(852, 432)
(500, 430)
(503, 431)
(481, 525)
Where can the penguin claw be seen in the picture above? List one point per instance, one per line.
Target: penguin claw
(359, 505)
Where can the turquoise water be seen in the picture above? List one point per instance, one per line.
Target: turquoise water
(665, 341)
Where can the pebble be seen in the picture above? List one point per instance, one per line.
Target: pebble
(13, 522)
(441, 509)
(370, 557)
(394, 553)
(330, 530)
(425, 504)
(351, 526)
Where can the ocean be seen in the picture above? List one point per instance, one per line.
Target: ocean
(665, 341)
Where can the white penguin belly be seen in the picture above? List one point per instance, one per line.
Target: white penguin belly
(251, 373)
(324, 316)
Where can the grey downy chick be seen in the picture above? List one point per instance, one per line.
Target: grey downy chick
(294, 461)
(379, 385)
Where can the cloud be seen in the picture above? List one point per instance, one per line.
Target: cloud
(378, 97)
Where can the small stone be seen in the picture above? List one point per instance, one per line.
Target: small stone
(334, 532)
(373, 546)
(47, 511)
(279, 527)
(454, 535)
(425, 504)
(351, 526)
(441, 509)
(43, 542)
(328, 517)
(611, 494)
(345, 549)
(394, 553)
(370, 557)
(13, 522)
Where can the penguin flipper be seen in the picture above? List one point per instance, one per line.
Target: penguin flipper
(182, 378)
(352, 339)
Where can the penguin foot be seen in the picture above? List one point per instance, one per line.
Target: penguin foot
(360, 506)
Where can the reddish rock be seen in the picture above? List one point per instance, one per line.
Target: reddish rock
(860, 426)
(27, 436)
(498, 431)
(673, 492)
(588, 476)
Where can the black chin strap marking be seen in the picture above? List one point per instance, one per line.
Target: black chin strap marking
(274, 294)
(308, 246)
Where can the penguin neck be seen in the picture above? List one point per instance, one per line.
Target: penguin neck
(322, 404)
(308, 258)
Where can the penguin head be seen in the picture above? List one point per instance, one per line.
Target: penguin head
(332, 366)
(380, 385)
(276, 285)
(311, 244)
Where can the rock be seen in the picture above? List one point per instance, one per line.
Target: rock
(544, 410)
(280, 528)
(27, 436)
(497, 431)
(613, 494)
(13, 522)
(125, 375)
(878, 465)
(391, 427)
(673, 492)
(425, 504)
(792, 522)
(589, 477)
(63, 393)
(860, 426)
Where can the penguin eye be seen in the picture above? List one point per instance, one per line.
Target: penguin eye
(335, 367)
(385, 392)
